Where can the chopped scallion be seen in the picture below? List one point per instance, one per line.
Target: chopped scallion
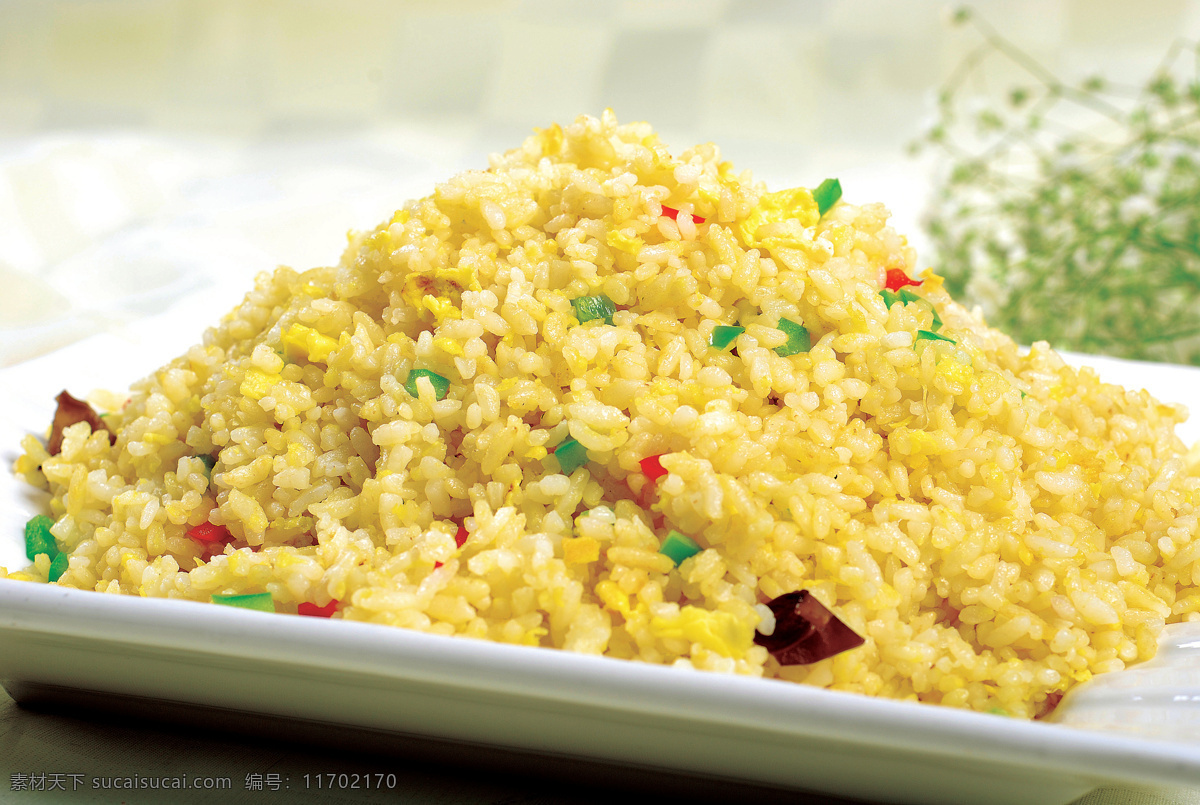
(441, 386)
(571, 455)
(798, 339)
(258, 601)
(827, 194)
(723, 335)
(209, 462)
(678, 547)
(907, 295)
(38, 538)
(588, 308)
(926, 335)
(58, 567)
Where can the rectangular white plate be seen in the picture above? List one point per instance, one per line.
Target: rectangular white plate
(528, 699)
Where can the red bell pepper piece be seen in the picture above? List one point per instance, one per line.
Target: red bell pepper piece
(897, 279)
(459, 539)
(314, 611)
(652, 468)
(673, 214)
(207, 532)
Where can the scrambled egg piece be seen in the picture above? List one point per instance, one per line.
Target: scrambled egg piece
(258, 384)
(300, 341)
(796, 204)
(721, 632)
(580, 550)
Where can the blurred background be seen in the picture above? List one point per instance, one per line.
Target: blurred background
(159, 153)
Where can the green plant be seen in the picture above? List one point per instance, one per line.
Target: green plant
(1071, 212)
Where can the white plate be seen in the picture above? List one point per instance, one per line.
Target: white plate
(533, 699)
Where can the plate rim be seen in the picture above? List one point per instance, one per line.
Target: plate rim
(761, 705)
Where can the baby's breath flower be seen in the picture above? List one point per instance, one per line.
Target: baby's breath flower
(1071, 213)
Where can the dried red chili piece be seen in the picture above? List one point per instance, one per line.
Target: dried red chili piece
(1050, 704)
(71, 411)
(805, 631)
(897, 279)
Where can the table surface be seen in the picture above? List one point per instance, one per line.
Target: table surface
(76, 748)
(80, 748)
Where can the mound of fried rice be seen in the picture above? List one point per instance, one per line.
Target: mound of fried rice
(997, 525)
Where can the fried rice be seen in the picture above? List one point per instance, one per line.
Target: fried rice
(491, 416)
